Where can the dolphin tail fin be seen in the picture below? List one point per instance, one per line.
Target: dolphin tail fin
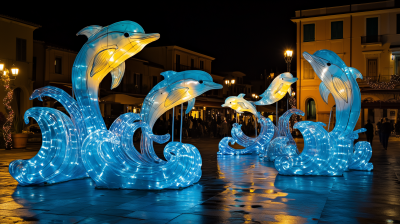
(117, 74)
(190, 105)
(324, 91)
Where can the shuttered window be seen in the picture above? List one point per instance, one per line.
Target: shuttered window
(21, 50)
(309, 32)
(372, 26)
(308, 71)
(337, 30)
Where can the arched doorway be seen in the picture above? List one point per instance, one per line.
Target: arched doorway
(311, 112)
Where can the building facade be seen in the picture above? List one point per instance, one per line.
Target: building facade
(366, 37)
(16, 48)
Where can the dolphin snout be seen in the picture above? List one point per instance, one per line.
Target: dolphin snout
(225, 105)
(145, 38)
(292, 80)
(213, 85)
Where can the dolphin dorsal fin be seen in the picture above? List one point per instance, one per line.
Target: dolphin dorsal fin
(241, 95)
(324, 91)
(89, 31)
(356, 73)
(117, 74)
(168, 74)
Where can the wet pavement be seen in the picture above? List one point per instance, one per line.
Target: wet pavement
(233, 189)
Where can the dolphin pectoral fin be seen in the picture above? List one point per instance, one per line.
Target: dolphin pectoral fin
(242, 105)
(117, 74)
(356, 74)
(340, 88)
(290, 91)
(101, 60)
(190, 105)
(324, 91)
(90, 31)
(241, 95)
(175, 95)
(279, 88)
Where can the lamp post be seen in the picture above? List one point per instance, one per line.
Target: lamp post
(288, 58)
(230, 83)
(6, 78)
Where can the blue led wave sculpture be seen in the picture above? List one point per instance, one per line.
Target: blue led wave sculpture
(105, 52)
(283, 143)
(275, 92)
(123, 166)
(81, 141)
(329, 153)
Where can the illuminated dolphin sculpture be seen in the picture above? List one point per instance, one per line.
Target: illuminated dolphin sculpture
(277, 90)
(330, 153)
(240, 105)
(124, 167)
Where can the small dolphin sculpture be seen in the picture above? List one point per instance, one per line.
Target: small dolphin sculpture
(240, 105)
(277, 90)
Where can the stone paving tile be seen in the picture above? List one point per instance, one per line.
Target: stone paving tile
(238, 189)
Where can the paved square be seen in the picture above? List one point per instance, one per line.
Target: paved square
(233, 189)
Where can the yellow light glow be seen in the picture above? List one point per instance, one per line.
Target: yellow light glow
(289, 53)
(1, 67)
(14, 71)
(204, 108)
(233, 81)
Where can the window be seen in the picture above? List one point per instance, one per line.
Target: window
(58, 66)
(202, 65)
(398, 23)
(372, 26)
(311, 112)
(372, 67)
(191, 63)
(309, 32)
(21, 49)
(337, 30)
(308, 71)
(34, 69)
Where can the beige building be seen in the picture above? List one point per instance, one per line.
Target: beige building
(16, 48)
(366, 37)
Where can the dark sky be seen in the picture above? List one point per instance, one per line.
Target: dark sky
(248, 37)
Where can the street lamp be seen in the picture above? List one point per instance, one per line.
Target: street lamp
(230, 83)
(6, 78)
(288, 58)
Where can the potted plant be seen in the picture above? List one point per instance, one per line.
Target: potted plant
(19, 137)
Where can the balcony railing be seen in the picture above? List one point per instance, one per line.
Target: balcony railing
(379, 78)
(180, 68)
(371, 39)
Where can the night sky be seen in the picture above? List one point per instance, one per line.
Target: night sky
(247, 37)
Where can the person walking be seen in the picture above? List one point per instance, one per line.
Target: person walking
(224, 128)
(369, 132)
(378, 128)
(387, 129)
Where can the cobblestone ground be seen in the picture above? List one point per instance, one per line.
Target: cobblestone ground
(232, 190)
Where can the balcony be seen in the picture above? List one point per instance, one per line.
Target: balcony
(180, 68)
(371, 40)
(380, 78)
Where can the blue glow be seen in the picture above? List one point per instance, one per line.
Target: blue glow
(328, 153)
(81, 145)
(252, 144)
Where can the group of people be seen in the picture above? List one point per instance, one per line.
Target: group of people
(384, 128)
(193, 127)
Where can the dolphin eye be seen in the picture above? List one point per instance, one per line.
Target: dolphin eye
(126, 34)
(201, 81)
(329, 64)
(230, 102)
